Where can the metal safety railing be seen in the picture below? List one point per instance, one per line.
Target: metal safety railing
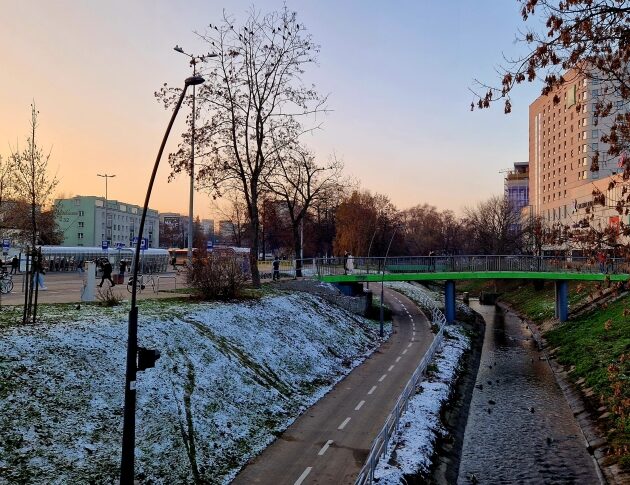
(474, 263)
(382, 441)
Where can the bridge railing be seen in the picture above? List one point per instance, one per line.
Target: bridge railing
(472, 263)
(382, 441)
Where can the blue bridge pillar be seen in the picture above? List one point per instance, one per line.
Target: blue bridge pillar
(562, 300)
(449, 301)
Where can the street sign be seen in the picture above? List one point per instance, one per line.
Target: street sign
(144, 243)
(104, 245)
(6, 244)
(120, 245)
(209, 245)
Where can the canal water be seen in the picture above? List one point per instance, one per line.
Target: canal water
(520, 429)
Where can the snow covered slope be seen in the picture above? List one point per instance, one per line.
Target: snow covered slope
(231, 377)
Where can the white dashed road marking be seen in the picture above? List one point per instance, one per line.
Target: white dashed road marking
(359, 405)
(343, 425)
(382, 378)
(303, 476)
(372, 390)
(410, 344)
(404, 351)
(390, 368)
(397, 359)
(325, 447)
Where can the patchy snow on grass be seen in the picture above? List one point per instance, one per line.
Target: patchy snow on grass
(411, 449)
(231, 377)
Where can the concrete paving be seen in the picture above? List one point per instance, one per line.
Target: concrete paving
(330, 442)
(67, 287)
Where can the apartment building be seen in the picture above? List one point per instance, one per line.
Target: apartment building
(562, 141)
(85, 221)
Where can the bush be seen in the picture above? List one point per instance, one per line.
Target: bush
(216, 276)
(107, 297)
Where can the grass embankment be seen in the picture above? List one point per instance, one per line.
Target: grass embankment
(595, 345)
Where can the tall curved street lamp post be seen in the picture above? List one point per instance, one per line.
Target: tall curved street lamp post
(193, 62)
(383, 279)
(138, 358)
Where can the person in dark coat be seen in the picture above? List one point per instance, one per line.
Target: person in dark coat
(15, 265)
(106, 266)
(276, 268)
(122, 267)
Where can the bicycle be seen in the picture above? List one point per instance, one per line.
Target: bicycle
(143, 281)
(6, 283)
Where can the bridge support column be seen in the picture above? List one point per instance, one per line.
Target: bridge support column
(449, 301)
(562, 300)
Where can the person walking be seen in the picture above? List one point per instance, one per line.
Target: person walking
(276, 268)
(174, 263)
(15, 265)
(345, 262)
(38, 274)
(601, 259)
(350, 264)
(121, 271)
(106, 266)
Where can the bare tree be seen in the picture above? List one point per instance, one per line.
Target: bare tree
(254, 94)
(300, 182)
(495, 226)
(32, 181)
(7, 190)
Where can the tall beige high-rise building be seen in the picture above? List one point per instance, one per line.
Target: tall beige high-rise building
(562, 141)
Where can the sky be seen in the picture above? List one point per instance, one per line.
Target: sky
(397, 74)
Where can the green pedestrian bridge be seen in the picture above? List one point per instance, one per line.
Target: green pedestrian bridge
(560, 269)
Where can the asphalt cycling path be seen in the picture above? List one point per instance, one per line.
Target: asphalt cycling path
(330, 442)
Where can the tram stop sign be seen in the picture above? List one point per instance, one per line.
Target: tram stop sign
(104, 245)
(209, 245)
(6, 244)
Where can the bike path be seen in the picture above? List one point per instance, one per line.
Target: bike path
(330, 442)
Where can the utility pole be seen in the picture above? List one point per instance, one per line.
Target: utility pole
(106, 176)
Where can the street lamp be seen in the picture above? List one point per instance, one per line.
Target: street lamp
(106, 177)
(139, 358)
(193, 63)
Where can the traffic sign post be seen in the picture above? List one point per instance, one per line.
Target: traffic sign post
(104, 245)
(209, 245)
(6, 244)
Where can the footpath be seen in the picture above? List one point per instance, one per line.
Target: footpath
(67, 287)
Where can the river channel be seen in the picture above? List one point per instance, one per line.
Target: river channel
(520, 429)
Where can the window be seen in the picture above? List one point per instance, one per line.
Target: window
(595, 133)
(77, 201)
(595, 92)
(80, 223)
(595, 146)
(80, 235)
(81, 213)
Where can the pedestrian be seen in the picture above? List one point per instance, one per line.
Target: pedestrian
(121, 271)
(106, 266)
(350, 264)
(15, 265)
(276, 268)
(38, 273)
(174, 263)
(80, 266)
(431, 261)
(601, 259)
(345, 262)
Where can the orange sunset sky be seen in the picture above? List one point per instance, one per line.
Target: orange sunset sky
(398, 81)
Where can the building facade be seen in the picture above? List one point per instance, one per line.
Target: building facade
(517, 186)
(82, 222)
(562, 142)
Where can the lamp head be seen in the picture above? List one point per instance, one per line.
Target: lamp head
(179, 49)
(194, 80)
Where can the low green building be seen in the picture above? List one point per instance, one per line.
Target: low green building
(81, 219)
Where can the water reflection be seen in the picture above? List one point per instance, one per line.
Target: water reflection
(520, 428)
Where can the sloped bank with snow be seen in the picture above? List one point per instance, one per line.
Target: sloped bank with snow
(231, 377)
